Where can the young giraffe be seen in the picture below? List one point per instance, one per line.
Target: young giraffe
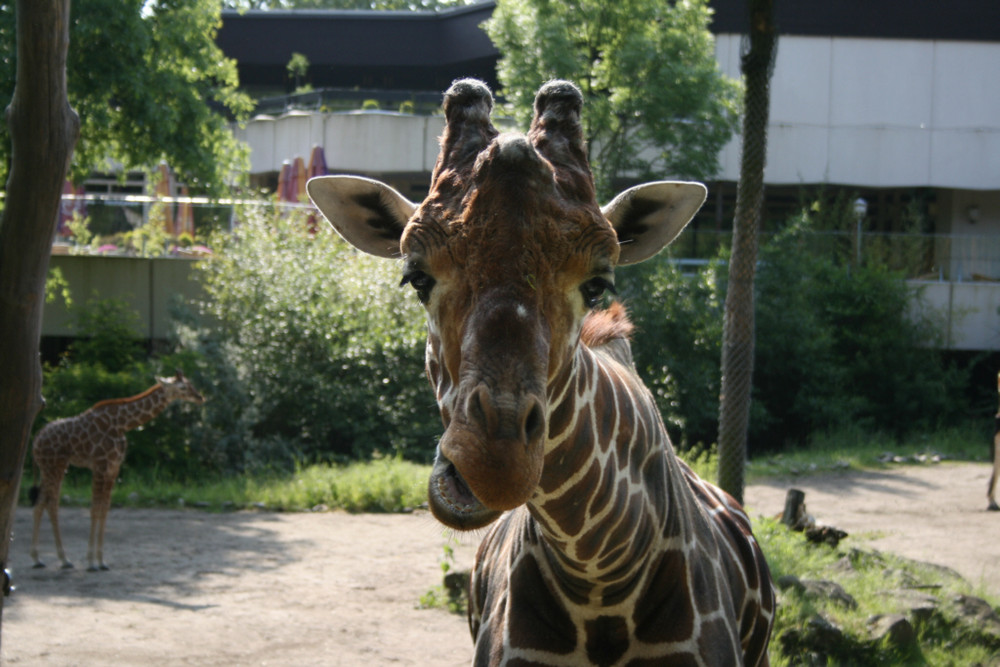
(991, 491)
(95, 439)
(609, 550)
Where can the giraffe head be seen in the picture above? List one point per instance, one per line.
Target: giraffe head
(179, 388)
(508, 253)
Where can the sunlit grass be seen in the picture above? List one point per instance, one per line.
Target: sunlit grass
(873, 580)
(384, 485)
(853, 449)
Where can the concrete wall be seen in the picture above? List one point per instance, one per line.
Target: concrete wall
(968, 311)
(148, 285)
(878, 112)
(372, 142)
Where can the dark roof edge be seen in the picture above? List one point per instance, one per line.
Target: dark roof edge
(360, 14)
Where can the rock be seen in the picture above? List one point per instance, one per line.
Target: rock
(844, 566)
(919, 607)
(133, 497)
(893, 629)
(978, 612)
(831, 590)
(823, 635)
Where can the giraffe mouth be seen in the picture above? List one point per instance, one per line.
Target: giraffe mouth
(452, 502)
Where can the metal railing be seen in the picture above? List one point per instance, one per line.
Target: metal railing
(937, 257)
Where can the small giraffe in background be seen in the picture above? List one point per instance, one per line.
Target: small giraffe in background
(606, 549)
(991, 492)
(95, 439)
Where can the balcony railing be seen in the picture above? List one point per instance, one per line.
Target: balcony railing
(936, 257)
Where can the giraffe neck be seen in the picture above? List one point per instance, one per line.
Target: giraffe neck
(132, 412)
(603, 499)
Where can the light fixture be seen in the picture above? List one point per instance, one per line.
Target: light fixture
(972, 212)
(860, 208)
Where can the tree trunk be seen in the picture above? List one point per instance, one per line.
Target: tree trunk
(738, 327)
(43, 130)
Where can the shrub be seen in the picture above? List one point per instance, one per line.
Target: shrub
(836, 346)
(310, 350)
(677, 345)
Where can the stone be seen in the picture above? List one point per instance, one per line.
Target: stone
(831, 590)
(893, 629)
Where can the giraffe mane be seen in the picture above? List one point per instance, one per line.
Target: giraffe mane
(126, 399)
(602, 327)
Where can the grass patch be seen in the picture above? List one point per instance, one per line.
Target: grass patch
(382, 485)
(854, 449)
(879, 584)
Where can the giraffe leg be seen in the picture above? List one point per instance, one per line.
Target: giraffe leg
(99, 505)
(38, 509)
(54, 518)
(48, 500)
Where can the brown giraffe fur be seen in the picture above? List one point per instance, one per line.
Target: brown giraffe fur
(991, 490)
(95, 439)
(607, 549)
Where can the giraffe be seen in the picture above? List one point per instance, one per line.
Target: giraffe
(605, 548)
(95, 439)
(991, 491)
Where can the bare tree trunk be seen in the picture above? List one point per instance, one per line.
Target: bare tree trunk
(738, 327)
(43, 130)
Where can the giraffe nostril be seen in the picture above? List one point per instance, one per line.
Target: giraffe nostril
(534, 423)
(479, 409)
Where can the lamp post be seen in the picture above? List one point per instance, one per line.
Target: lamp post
(860, 210)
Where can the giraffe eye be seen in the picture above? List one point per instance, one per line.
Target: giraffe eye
(594, 289)
(420, 281)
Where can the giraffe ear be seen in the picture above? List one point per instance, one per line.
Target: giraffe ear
(368, 214)
(648, 217)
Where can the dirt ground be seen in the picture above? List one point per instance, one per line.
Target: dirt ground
(253, 588)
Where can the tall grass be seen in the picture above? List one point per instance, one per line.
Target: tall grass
(382, 485)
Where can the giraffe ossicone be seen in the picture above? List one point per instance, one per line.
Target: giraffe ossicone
(605, 549)
(95, 439)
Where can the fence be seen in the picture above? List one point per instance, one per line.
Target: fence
(933, 257)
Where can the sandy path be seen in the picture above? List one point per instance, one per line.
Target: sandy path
(191, 588)
(933, 512)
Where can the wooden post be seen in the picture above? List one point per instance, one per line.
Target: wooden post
(794, 502)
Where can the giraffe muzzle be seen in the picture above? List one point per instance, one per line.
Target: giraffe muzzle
(452, 502)
(489, 459)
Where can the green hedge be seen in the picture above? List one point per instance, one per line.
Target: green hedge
(308, 350)
(837, 345)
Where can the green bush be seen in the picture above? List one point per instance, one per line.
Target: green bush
(677, 343)
(309, 350)
(837, 346)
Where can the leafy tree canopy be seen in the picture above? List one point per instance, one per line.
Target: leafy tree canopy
(149, 84)
(656, 104)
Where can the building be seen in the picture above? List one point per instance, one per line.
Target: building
(894, 102)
